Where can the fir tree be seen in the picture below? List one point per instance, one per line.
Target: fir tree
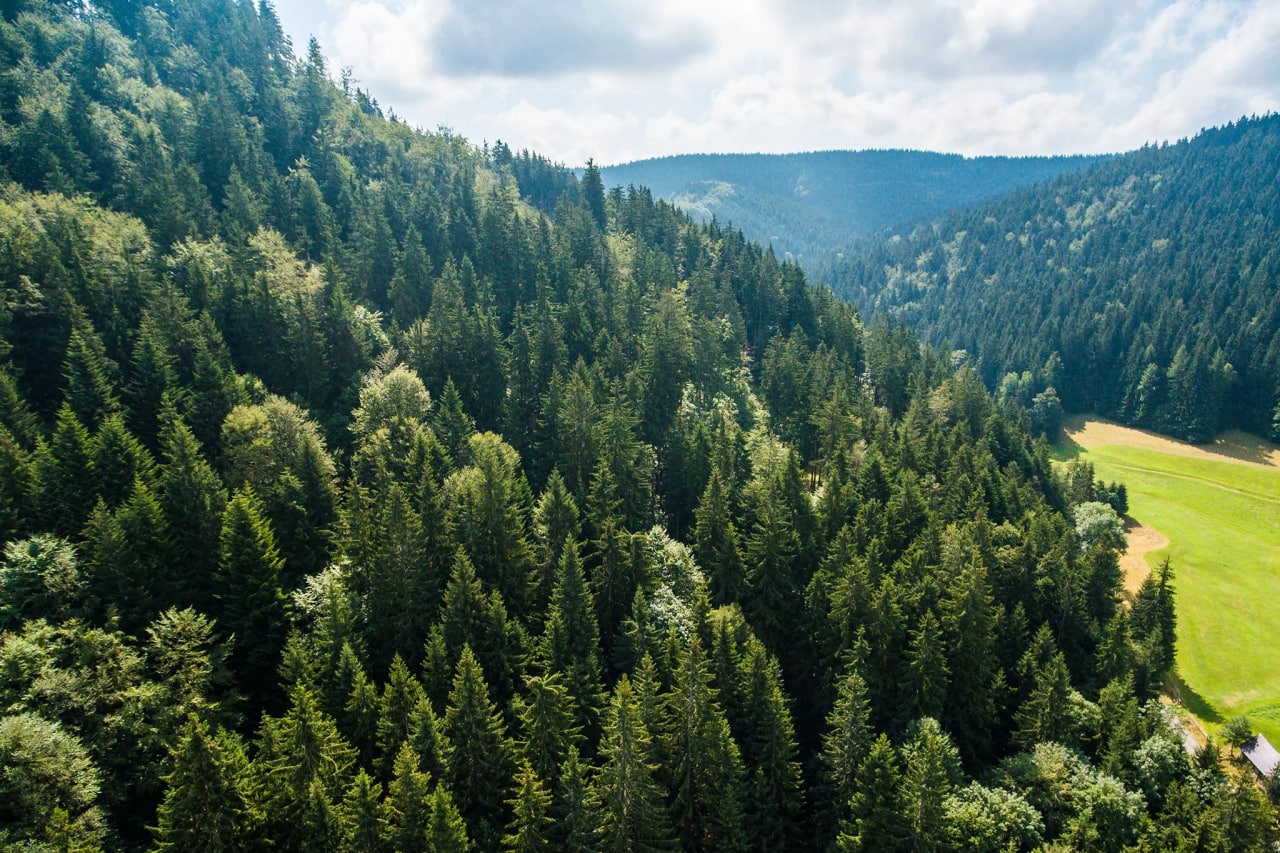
(478, 760)
(704, 763)
(624, 794)
(205, 806)
(875, 823)
(363, 826)
(530, 825)
(251, 603)
(571, 645)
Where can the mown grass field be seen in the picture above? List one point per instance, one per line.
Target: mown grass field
(1222, 518)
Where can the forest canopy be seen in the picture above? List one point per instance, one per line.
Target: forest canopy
(361, 489)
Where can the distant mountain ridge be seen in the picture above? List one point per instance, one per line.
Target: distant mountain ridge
(813, 205)
(1144, 289)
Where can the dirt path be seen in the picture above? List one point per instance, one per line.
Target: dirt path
(1234, 446)
(1141, 541)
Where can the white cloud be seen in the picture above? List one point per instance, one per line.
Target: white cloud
(603, 78)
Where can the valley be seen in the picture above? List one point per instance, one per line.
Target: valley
(1218, 507)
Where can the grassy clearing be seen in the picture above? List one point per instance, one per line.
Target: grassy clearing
(1221, 513)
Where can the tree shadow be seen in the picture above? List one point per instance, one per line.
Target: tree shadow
(1186, 696)
(1244, 447)
(1065, 448)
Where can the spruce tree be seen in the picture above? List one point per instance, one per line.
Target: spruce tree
(90, 375)
(119, 460)
(547, 720)
(478, 755)
(932, 770)
(703, 764)
(571, 644)
(715, 543)
(875, 822)
(251, 603)
(205, 806)
(407, 810)
(530, 825)
(626, 799)
(304, 768)
(193, 501)
(363, 825)
(65, 481)
(845, 746)
(401, 697)
(774, 799)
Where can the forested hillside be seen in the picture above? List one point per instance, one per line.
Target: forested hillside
(1146, 289)
(817, 204)
(362, 490)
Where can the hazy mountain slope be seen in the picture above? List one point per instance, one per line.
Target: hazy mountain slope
(817, 203)
(1152, 276)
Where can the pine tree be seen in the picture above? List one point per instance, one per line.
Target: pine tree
(65, 481)
(530, 825)
(715, 543)
(574, 820)
(401, 697)
(703, 762)
(491, 505)
(774, 800)
(547, 722)
(932, 771)
(193, 501)
(478, 760)
(16, 488)
(571, 643)
(624, 794)
(875, 823)
(363, 826)
(556, 527)
(1045, 713)
(304, 770)
(927, 663)
(252, 604)
(205, 807)
(91, 388)
(845, 746)
(407, 810)
(771, 553)
(119, 460)
(447, 833)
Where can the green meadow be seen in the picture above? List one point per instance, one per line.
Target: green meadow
(1223, 522)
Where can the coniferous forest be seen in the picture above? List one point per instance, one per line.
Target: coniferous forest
(1143, 288)
(365, 490)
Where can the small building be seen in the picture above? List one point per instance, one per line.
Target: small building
(1262, 755)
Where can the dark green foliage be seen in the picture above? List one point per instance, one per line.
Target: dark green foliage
(570, 646)
(478, 763)
(1034, 280)
(251, 603)
(278, 417)
(624, 794)
(205, 805)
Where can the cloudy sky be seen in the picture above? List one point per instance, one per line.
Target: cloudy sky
(620, 81)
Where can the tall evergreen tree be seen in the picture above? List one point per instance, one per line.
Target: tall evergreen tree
(251, 603)
(628, 801)
(703, 762)
(205, 805)
(478, 755)
(571, 645)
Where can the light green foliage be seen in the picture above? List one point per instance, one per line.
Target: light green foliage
(1097, 525)
(673, 586)
(1221, 522)
(45, 771)
(40, 578)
